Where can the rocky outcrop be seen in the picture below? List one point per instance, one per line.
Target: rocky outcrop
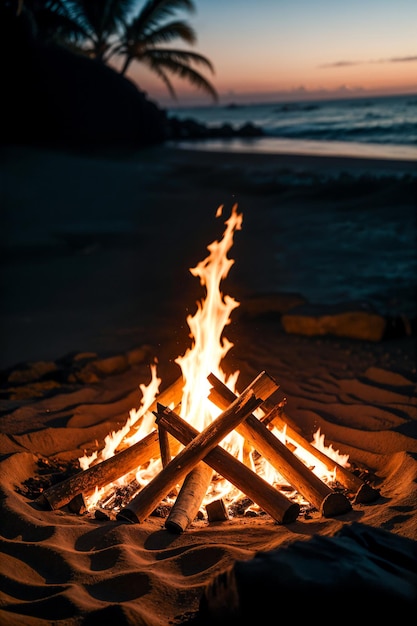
(191, 129)
(351, 320)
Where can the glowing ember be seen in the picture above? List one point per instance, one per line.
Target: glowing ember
(208, 349)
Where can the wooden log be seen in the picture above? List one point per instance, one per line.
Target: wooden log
(172, 394)
(192, 492)
(216, 511)
(189, 499)
(146, 500)
(140, 507)
(164, 447)
(272, 501)
(363, 492)
(102, 474)
(324, 499)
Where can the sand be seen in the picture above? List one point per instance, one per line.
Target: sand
(85, 313)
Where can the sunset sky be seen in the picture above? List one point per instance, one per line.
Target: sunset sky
(277, 49)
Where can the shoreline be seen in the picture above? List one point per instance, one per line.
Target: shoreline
(302, 147)
(316, 162)
(172, 149)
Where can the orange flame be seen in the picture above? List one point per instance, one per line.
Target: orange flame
(209, 347)
(206, 326)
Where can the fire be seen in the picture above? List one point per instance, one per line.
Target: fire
(206, 326)
(208, 349)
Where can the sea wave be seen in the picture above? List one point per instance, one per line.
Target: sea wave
(396, 133)
(383, 120)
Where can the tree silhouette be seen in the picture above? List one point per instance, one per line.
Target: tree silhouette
(106, 30)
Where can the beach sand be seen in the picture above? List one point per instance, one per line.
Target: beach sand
(96, 285)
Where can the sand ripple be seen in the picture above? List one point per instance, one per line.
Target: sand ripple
(59, 567)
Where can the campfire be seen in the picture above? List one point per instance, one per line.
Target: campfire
(202, 444)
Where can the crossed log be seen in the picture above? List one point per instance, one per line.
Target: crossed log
(274, 414)
(110, 470)
(194, 464)
(140, 507)
(254, 486)
(221, 395)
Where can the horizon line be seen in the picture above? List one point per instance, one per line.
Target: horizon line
(251, 98)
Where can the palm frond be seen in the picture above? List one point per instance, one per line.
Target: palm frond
(165, 62)
(56, 21)
(156, 11)
(163, 55)
(158, 70)
(101, 17)
(165, 34)
(104, 28)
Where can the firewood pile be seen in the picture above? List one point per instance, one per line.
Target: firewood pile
(191, 458)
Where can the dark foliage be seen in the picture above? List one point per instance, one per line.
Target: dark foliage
(55, 97)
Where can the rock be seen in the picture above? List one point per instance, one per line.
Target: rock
(340, 320)
(33, 390)
(139, 355)
(111, 365)
(31, 372)
(359, 564)
(250, 130)
(189, 128)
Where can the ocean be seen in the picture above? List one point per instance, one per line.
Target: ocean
(376, 127)
(367, 255)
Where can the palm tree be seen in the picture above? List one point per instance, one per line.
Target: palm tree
(109, 29)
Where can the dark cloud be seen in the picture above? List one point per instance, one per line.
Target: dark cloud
(342, 64)
(402, 59)
(351, 63)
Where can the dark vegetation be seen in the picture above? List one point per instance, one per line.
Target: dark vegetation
(56, 97)
(58, 89)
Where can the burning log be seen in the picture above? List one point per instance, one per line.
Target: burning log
(192, 491)
(146, 500)
(164, 447)
(272, 501)
(101, 474)
(189, 499)
(328, 502)
(363, 492)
